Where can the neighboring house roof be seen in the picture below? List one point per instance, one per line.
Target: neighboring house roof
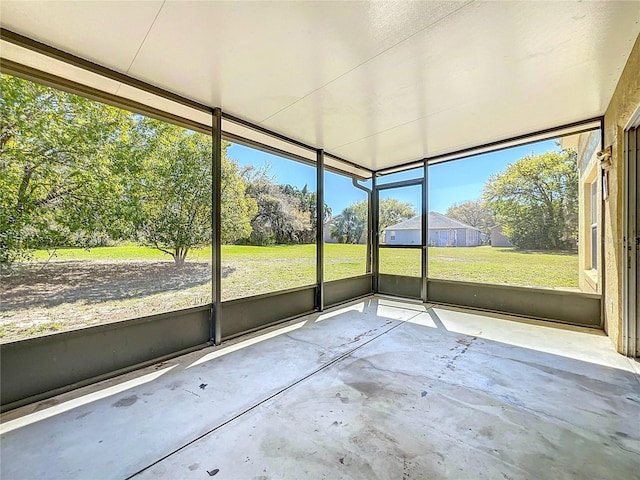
(414, 223)
(437, 221)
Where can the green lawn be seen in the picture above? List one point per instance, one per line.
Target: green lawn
(249, 270)
(78, 288)
(488, 265)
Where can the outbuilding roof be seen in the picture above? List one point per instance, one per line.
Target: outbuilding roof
(437, 221)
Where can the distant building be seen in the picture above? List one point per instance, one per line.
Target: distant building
(443, 232)
(498, 239)
(327, 229)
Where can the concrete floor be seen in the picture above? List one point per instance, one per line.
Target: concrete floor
(380, 389)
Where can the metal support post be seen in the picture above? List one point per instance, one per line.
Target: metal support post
(374, 239)
(216, 200)
(320, 229)
(425, 232)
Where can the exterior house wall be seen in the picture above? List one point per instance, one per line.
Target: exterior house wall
(461, 237)
(441, 237)
(473, 238)
(498, 239)
(588, 168)
(432, 239)
(403, 237)
(624, 102)
(444, 232)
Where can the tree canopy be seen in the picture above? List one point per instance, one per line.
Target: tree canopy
(285, 214)
(75, 172)
(61, 159)
(394, 211)
(176, 187)
(351, 224)
(476, 213)
(536, 200)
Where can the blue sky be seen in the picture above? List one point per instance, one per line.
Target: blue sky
(449, 183)
(458, 181)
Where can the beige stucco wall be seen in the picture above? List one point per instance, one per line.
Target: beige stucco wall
(623, 105)
(588, 167)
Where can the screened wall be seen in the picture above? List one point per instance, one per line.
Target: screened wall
(513, 216)
(106, 214)
(130, 235)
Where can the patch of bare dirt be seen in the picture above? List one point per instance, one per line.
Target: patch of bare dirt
(38, 298)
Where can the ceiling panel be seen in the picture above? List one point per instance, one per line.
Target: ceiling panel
(106, 32)
(488, 72)
(256, 58)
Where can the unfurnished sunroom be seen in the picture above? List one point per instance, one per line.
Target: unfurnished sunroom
(194, 191)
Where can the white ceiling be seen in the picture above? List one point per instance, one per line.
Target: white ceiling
(377, 83)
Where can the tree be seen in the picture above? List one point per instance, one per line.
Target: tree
(61, 157)
(279, 219)
(75, 172)
(352, 221)
(394, 211)
(286, 213)
(349, 226)
(307, 204)
(536, 200)
(473, 212)
(238, 208)
(176, 194)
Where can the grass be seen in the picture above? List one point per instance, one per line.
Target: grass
(86, 287)
(505, 266)
(251, 270)
(247, 270)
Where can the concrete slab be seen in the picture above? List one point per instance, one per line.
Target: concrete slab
(580, 343)
(115, 433)
(425, 402)
(416, 403)
(378, 389)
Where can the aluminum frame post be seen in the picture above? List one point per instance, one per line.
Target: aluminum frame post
(373, 234)
(216, 201)
(320, 229)
(425, 232)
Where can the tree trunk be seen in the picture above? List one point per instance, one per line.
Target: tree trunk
(179, 256)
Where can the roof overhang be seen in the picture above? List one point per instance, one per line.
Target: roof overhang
(378, 84)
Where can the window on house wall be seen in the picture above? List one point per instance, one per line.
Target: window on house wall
(268, 213)
(345, 229)
(594, 225)
(589, 210)
(511, 217)
(105, 215)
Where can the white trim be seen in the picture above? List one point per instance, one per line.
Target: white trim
(634, 121)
